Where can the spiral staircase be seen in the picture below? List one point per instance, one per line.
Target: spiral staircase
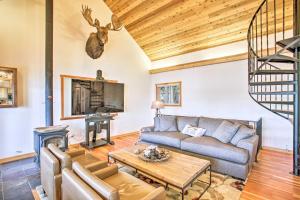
(273, 63)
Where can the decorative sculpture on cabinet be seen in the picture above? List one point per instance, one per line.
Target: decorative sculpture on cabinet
(95, 44)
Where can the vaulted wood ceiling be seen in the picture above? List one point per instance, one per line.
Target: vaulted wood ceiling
(166, 28)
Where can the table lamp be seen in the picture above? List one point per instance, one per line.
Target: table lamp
(157, 105)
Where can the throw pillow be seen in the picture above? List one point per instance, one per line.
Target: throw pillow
(183, 121)
(193, 131)
(165, 123)
(226, 131)
(243, 133)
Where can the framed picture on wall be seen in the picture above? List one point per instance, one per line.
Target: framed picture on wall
(8, 87)
(169, 93)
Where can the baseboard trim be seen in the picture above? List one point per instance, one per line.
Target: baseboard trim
(125, 134)
(277, 150)
(15, 158)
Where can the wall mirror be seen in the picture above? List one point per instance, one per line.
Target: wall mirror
(169, 93)
(81, 96)
(8, 87)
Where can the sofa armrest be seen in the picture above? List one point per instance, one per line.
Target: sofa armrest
(249, 144)
(157, 194)
(106, 172)
(96, 166)
(147, 129)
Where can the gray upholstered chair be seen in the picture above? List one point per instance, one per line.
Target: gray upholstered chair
(53, 161)
(106, 183)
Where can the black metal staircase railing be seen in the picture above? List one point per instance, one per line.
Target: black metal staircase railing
(273, 62)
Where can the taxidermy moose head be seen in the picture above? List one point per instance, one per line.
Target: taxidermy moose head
(95, 44)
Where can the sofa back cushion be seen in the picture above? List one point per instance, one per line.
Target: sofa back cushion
(165, 123)
(210, 124)
(226, 131)
(243, 133)
(182, 121)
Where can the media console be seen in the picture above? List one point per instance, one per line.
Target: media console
(95, 124)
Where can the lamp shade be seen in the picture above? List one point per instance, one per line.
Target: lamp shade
(157, 105)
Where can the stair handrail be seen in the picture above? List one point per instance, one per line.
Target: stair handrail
(251, 24)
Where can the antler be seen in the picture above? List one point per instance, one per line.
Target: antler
(115, 23)
(87, 12)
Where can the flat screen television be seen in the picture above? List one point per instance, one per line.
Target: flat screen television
(90, 97)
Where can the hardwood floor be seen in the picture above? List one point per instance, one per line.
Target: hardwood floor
(269, 178)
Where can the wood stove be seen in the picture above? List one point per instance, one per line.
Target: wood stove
(43, 136)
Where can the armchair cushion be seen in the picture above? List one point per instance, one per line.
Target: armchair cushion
(85, 159)
(96, 166)
(129, 187)
(106, 172)
(76, 153)
(102, 188)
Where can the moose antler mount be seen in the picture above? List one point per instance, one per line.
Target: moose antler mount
(96, 41)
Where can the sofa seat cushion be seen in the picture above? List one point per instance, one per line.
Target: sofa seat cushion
(129, 187)
(208, 146)
(172, 139)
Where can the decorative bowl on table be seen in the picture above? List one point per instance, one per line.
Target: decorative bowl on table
(154, 154)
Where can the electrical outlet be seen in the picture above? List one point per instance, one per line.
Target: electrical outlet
(19, 151)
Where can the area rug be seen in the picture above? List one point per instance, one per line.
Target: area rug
(222, 187)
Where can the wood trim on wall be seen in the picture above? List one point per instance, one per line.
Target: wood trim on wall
(277, 150)
(201, 63)
(15, 158)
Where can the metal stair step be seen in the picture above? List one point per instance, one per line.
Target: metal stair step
(284, 112)
(285, 42)
(277, 102)
(283, 71)
(273, 93)
(273, 83)
(278, 59)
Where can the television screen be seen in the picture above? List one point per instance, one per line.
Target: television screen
(96, 96)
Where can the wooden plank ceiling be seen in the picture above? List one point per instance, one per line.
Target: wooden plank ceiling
(166, 28)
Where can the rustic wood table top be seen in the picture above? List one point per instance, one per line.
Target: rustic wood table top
(179, 170)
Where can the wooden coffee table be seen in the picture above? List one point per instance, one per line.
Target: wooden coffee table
(179, 171)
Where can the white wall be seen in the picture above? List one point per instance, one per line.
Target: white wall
(22, 45)
(221, 90)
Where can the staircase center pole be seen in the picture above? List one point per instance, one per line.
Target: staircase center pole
(49, 64)
(296, 135)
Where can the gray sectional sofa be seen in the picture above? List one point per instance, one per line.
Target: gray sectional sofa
(234, 158)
